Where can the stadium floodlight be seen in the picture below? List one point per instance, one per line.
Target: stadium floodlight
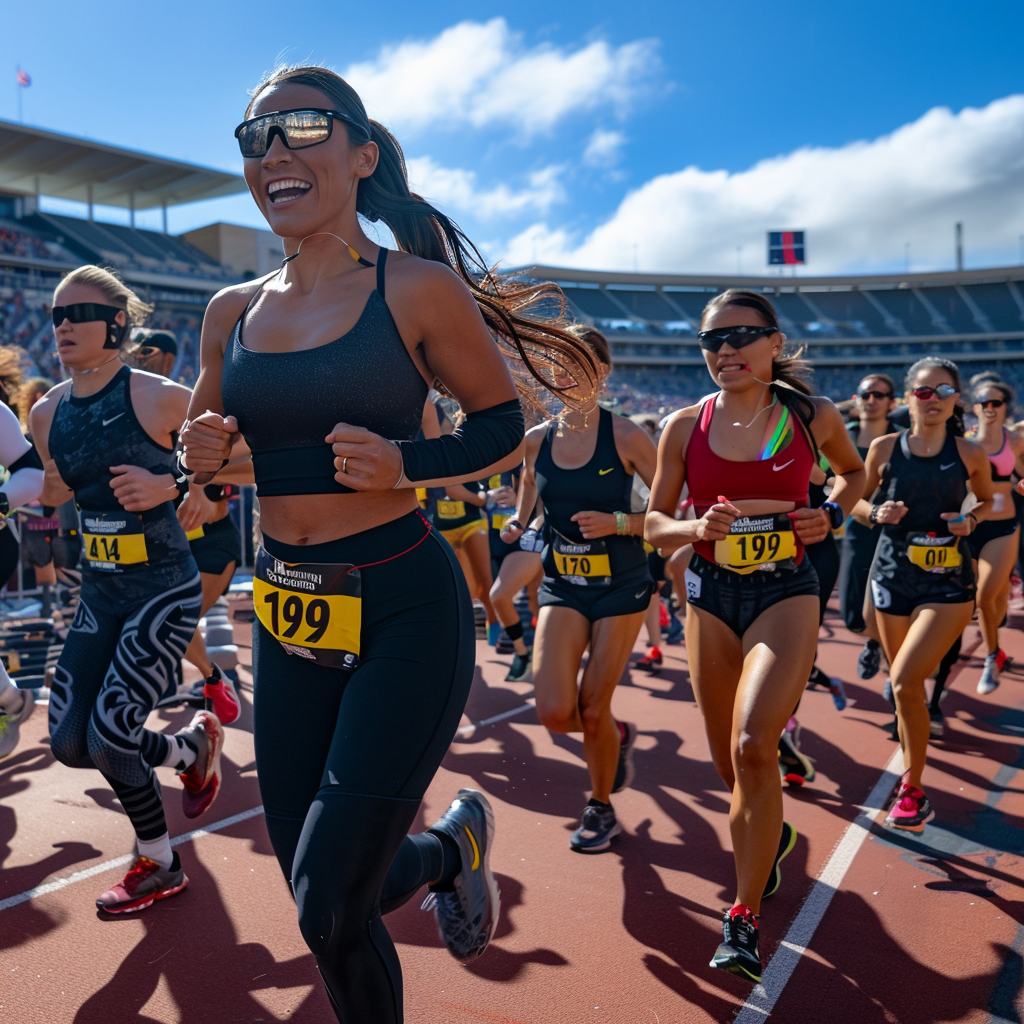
(786, 247)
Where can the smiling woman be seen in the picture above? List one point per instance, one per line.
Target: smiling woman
(363, 652)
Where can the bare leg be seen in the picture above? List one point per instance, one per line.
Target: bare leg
(562, 637)
(994, 568)
(478, 551)
(518, 570)
(652, 621)
(213, 587)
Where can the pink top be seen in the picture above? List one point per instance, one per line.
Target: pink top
(1004, 460)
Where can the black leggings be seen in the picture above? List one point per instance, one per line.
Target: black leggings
(824, 557)
(114, 667)
(344, 759)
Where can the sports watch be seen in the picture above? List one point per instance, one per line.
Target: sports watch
(835, 514)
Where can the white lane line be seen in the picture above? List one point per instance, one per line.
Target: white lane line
(762, 1000)
(107, 865)
(468, 730)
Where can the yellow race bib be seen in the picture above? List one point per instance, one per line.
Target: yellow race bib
(313, 610)
(934, 554)
(499, 517)
(586, 563)
(113, 540)
(191, 535)
(754, 541)
(451, 509)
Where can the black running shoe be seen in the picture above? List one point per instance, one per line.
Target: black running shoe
(937, 723)
(624, 771)
(870, 660)
(522, 669)
(786, 843)
(598, 827)
(796, 768)
(738, 953)
(468, 915)
(817, 678)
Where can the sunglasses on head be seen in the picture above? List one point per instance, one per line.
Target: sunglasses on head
(870, 393)
(736, 337)
(297, 129)
(85, 312)
(925, 394)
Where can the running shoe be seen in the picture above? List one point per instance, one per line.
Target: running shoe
(834, 686)
(145, 883)
(911, 810)
(664, 620)
(870, 659)
(786, 843)
(738, 953)
(468, 914)
(887, 692)
(522, 669)
(650, 662)
(794, 767)
(624, 770)
(994, 664)
(675, 631)
(202, 778)
(493, 632)
(216, 693)
(10, 725)
(598, 827)
(936, 723)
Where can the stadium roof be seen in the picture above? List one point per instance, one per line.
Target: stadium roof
(38, 162)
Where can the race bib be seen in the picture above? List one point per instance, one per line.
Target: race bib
(191, 535)
(113, 540)
(754, 541)
(451, 509)
(500, 516)
(313, 610)
(934, 554)
(585, 564)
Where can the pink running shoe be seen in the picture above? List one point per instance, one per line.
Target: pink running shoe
(202, 778)
(911, 809)
(145, 883)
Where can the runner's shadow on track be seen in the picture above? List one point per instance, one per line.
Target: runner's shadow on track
(680, 688)
(190, 943)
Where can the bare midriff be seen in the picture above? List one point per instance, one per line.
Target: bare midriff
(318, 518)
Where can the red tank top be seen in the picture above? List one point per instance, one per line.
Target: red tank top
(785, 477)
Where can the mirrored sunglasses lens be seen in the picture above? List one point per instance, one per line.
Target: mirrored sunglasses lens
(306, 128)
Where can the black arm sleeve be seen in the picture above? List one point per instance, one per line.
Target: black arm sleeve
(482, 439)
(30, 460)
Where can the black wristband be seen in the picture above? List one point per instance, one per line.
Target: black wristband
(183, 470)
(835, 513)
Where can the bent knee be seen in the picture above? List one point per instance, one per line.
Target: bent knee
(557, 718)
(70, 748)
(123, 765)
(755, 754)
(594, 715)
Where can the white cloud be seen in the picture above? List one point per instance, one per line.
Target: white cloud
(453, 188)
(604, 148)
(859, 204)
(481, 74)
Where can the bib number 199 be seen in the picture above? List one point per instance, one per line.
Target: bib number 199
(762, 547)
(294, 610)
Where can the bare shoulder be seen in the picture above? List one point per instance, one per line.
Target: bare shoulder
(43, 410)
(229, 303)
(535, 436)
(970, 451)
(825, 412)
(882, 446)
(416, 279)
(679, 426)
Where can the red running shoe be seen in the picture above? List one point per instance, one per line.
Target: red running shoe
(221, 697)
(202, 778)
(145, 883)
(651, 662)
(911, 810)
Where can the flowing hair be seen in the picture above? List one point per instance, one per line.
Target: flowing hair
(529, 320)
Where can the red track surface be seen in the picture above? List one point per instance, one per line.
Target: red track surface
(922, 929)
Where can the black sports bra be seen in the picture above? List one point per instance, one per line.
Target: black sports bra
(286, 403)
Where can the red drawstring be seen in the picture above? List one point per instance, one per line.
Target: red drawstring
(401, 553)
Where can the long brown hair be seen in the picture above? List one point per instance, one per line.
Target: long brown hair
(10, 375)
(790, 373)
(529, 320)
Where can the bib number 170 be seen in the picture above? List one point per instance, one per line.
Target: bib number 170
(314, 612)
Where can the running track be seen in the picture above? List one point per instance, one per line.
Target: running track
(898, 928)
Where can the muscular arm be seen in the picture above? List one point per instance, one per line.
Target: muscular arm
(661, 528)
(55, 491)
(836, 445)
(879, 454)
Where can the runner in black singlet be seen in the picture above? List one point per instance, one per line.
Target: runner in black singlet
(922, 579)
(363, 651)
(746, 455)
(596, 587)
(107, 437)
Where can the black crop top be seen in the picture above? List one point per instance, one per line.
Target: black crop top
(286, 403)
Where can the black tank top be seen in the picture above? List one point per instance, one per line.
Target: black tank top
(286, 403)
(602, 485)
(88, 436)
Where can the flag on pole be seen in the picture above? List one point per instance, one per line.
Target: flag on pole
(786, 247)
(23, 79)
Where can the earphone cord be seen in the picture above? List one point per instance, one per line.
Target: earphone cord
(351, 250)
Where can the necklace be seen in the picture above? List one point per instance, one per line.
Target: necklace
(770, 405)
(82, 373)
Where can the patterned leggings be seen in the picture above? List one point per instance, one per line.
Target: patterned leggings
(112, 671)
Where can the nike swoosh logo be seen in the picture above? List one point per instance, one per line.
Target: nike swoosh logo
(112, 418)
(604, 472)
(950, 466)
(641, 594)
(775, 469)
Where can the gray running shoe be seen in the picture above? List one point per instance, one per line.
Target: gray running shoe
(522, 669)
(598, 827)
(145, 883)
(625, 770)
(994, 664)
(10, 725)
(467, 916)
(870, 659)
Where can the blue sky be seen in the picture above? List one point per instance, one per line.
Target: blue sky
(662, 135)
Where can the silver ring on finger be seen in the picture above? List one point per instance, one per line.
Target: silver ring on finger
(344, 464)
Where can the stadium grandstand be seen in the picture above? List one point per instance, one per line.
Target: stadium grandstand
(847, 325)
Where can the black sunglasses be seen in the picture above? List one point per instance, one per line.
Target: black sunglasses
(990, 403)
(297, 129)
(85, 312)
(926, 394)
(737, 337)
(864, 395)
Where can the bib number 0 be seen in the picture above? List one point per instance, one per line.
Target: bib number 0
(941, 557)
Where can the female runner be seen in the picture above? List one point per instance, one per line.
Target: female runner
(363, 652)
(596, 586)
(922, 580)
(752, 596)
(106, 436)
(994, 542)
